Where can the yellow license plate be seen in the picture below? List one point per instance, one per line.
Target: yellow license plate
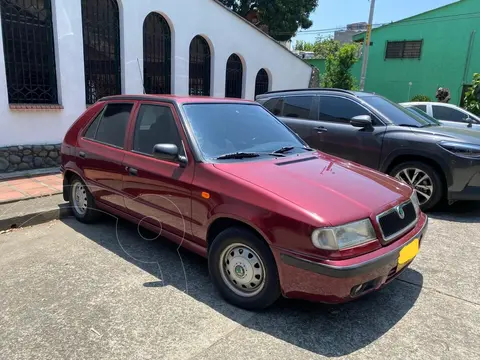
(408, 253)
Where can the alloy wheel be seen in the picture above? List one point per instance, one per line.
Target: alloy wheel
(419, 180)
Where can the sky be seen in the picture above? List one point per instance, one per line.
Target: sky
(332, 14)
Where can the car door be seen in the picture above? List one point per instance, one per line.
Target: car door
(297, 113)
(451, 116)
(158, 191)
(335, 135)
(100, 153)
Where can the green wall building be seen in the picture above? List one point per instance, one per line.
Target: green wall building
(417, 55)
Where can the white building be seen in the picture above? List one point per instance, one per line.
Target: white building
(58, 56)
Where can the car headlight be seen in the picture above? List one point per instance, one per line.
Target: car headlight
(461, 149)
(415, 202)
(344, 236)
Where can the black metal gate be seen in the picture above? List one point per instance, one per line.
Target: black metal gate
(199, 74)
(261, 82)
(101, 46)
(157, 49)
(29, 51)
(234, 77)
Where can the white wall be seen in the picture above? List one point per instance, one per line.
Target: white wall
(226, 33)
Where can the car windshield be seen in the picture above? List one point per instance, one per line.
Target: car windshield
(397, 114)
(243, 131)
(423, 114)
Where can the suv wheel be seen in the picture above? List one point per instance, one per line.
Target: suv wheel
(82, 202)
(243, 269)
(424, 179)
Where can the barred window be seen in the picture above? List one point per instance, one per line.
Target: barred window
(261, 82)
(157, 49)
(234, 77)
(29, 52)
(199, 69)
(101, 48)
(404, 49)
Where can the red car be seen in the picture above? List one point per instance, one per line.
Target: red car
(227, 180)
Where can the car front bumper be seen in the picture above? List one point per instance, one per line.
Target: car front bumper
(344, 280)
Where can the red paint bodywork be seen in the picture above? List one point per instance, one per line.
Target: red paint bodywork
(283, 200)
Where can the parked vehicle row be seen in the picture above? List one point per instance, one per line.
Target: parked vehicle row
(439, 162)
(228, 180)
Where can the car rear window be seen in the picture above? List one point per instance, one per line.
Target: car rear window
(298, 107)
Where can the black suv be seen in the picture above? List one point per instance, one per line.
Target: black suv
(438, 161)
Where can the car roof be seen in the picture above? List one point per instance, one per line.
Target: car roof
(430, 103)
(176, 99)
(313, 91)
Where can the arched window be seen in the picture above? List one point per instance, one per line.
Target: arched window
(200, 62)
(29, 51)
(101, 48)
(234, 77)
(157, 49)
(261, 82)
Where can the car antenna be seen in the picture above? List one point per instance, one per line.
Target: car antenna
(141, 76)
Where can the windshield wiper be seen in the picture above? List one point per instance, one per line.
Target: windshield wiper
(238, 155)
(285, 149)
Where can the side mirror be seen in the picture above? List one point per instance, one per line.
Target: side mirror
(168, 152)
(469, 121)
(361, 121)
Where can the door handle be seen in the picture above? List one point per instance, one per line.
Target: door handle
(82, 154)
(320, 129)
(131, 171)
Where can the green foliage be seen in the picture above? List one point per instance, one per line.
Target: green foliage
(422, 98)
(304, 46)
(325, 46)
(472, 96)
(282, 17)
(338, 66)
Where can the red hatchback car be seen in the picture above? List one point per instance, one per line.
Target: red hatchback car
(227, 180)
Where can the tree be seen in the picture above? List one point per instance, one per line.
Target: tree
(325, 47)
(304, 46)
(338, 66)
(282, 17)
(472, 96)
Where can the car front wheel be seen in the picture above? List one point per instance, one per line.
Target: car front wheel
(424, 179)
(243, 269)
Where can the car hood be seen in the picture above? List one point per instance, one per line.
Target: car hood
(451, 133)
(333, 190)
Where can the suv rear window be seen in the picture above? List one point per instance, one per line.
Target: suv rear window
(274, 106)
(110, 125)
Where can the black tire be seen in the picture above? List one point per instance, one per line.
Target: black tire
(438, 185)
(271, 284)
(91, 214)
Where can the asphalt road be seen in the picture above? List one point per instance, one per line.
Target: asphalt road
(72, 291)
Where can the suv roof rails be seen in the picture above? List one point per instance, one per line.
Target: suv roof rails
(308, 89)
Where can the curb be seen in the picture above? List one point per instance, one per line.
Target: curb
(35, 218)
(4, 202)
(29, 173)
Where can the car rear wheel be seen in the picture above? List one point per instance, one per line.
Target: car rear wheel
(243, 269)
(424, 179)
(82, 202)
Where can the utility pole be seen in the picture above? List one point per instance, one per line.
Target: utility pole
(367, 46)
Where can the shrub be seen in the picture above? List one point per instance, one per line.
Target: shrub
(472, 96)
(423, 98)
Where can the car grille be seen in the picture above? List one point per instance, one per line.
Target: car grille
(392, 224)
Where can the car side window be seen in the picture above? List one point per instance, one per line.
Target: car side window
(340, 110)
(448, 114)
(155, 125)
(421, 107)
(298, 107)
(274, 106)
(110, 126)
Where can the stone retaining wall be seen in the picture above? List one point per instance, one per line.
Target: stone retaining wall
(25, 157)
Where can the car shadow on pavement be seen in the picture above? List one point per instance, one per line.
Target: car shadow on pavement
(461, 211)
(328, 330)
